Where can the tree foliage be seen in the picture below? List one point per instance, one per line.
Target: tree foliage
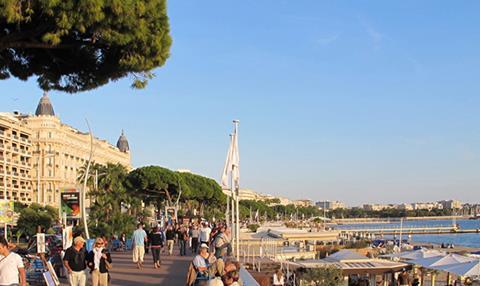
(155, 184)
(387, 213)
(202, 189)
(34, 216)
(324, 276)
(106, 214)
(79, 45)
(274, 211)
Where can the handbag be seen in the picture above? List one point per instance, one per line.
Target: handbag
(108, 265)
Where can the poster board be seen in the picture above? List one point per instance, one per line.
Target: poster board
(171, 213)
(47, 276)
(67, 237)
(6, 212)
(70, 203)
(41, 243)
(53, 273)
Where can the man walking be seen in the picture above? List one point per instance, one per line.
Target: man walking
(205, 234)
(75, 261)
(170, 235)
(221, 242)
(194, 234)
(139, 238)
(182, 239)
(12, 270)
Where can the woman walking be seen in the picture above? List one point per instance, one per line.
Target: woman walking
(99, 261)
(156, 244)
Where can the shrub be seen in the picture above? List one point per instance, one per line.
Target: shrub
(253, 227)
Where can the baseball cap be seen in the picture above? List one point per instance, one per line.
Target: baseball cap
(203, 245)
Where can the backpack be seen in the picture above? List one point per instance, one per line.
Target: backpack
(219, 240)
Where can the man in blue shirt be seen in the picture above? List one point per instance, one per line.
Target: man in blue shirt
(139, 238)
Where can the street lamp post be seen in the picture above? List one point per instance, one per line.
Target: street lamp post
(85, 179)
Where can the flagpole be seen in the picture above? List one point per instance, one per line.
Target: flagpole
(237, 185)
(232, 197)
(227, 212)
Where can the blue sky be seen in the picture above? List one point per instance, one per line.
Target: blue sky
(359, 101)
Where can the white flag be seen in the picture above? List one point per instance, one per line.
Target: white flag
(227, 168)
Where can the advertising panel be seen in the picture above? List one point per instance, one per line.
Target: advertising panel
(71, 203)
(6, 212)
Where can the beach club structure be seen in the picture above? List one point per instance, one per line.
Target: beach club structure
(357, 269)
(432, 265)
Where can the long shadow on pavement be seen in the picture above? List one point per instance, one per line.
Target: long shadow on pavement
(172, 272)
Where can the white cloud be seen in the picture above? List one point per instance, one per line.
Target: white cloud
(325, 41)
(375, 36)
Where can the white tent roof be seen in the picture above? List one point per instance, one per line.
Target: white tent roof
(345, 255)
(416, 254)
(441, 260)
(426, 262)
(471, 268)
(452, 259)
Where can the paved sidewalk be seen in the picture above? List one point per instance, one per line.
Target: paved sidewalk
(172, 272)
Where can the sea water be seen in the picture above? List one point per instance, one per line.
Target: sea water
(460, 239)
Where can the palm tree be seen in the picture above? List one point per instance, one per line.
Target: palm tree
(109, 195)
(95, 169)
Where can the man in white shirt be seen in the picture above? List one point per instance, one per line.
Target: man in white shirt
(205, 234)
(12, 271)
(139, 238)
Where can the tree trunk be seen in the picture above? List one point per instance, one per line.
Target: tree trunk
(202, 208)
(169, 198)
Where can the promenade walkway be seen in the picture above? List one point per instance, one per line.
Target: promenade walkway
(172, 272)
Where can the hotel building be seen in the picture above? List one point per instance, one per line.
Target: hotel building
(55, 153)
(15, 159)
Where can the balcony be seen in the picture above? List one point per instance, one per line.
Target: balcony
(25, 140)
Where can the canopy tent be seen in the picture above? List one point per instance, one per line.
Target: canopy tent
(442, 260)
(467, 269)
(353, 263)
(345, 255)
(416, 254)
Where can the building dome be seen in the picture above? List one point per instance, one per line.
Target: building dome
(122, 143)
(44, 106)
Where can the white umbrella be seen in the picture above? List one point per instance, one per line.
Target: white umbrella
(469, 269)
(426, 262)
(441, 260)
(451, 259)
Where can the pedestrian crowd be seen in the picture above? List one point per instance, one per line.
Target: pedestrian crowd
(208, 244)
